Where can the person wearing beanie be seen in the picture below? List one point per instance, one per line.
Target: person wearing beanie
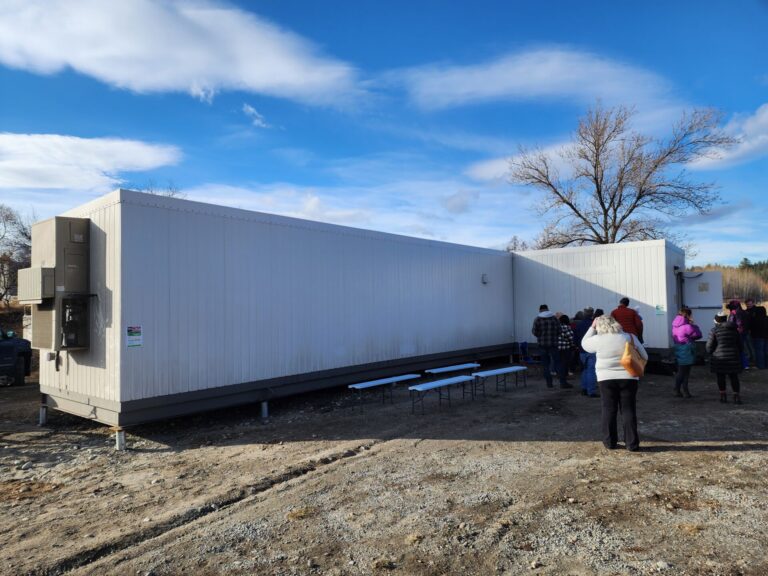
(725, 350)
(546, 328)
(737, 317)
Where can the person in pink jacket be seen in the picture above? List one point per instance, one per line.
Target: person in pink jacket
(684, 334)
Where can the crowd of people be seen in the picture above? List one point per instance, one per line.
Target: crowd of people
(595, 344)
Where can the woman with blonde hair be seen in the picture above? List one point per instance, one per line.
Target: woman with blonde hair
(607, 340)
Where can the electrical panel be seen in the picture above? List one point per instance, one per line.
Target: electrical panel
(56, 286)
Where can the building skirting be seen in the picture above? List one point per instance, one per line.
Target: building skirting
(135, 412)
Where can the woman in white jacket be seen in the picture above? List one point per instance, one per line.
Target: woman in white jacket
(607, 340)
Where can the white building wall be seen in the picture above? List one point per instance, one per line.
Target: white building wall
(94, 373)
(226, 296)
(570, 279)
(674, 256)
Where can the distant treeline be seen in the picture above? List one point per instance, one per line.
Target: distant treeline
(747, 280)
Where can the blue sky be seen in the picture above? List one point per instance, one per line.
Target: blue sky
(394, 116)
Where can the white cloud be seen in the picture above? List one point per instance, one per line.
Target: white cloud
(493, 169)
(306, 202)
(382, 168)
(253, 115)
(453, 139)
(539, 73)
(409, 207)
(199, 47)
(498, 169)
(55, 162)
(296, 156)
(720, 251)
(416, 208)
(752, 131)
(461, 201)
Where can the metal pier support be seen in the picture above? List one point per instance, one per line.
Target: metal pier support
(42, 418)
(264, 410)
(119, 438)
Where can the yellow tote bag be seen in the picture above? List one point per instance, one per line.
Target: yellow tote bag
(631, 359)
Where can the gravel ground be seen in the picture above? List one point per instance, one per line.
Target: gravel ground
(515, 482)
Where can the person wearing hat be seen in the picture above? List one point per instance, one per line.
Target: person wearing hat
(725, 350)
(546, 328)
(751, 321)
(739, 318)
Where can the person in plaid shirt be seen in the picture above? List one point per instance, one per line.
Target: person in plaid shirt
(546, 328)
(565, 347)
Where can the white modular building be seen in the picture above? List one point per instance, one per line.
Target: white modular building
(146, 307)
(650, 273)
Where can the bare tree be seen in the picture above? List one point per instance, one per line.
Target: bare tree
(170, 190)
(516, 244)
(15, 249)
(7, 223)
(9, 271)
(622, 185)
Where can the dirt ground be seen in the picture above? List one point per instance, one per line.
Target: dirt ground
(515, 482)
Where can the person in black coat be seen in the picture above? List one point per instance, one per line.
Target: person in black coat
(725, 348)
(758, 332)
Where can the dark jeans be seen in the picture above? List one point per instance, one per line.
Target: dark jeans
(760, 351)
(563, 364)
(588, 375)
(734, 382)
(548, 361)
(746, 344)
(614, 392)
(681, 378)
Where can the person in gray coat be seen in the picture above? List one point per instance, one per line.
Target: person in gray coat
(607, 340)
(725, 350)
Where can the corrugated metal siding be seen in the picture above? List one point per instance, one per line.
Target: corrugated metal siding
(569, 279)
(226, 296)
(95, 372)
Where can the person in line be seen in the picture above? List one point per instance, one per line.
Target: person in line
(588, 375)
(607, 340)
(726, 349)
(628, 318)
(759, 332)
(737, 317)
(684, 334)
(565, 347)
(749, 318)
(546, 328)
(576, 365)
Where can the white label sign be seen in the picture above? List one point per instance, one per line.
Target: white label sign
(134, 336)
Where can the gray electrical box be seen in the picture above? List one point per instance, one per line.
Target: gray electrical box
(57, 284)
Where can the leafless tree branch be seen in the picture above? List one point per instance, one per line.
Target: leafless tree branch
(620, 181)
